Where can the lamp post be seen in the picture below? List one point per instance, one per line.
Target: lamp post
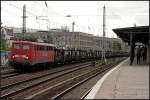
(47, 20)
(68, 17)
(74, 37)
(73, 23)
(40, 18)
(104, 39)
(38, 25)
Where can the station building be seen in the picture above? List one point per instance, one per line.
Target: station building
(84, 41)
(65, 39)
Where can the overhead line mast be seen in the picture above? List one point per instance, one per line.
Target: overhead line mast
(24, 20)
(104, 25)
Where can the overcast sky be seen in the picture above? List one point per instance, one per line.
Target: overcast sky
(87, 15)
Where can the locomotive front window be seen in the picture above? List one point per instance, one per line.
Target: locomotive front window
(26, 46)
(16, 45)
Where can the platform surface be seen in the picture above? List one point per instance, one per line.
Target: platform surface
(123, 82)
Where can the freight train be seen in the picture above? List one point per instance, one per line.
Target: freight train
(26, 54)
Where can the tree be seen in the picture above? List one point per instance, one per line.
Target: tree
(116, 45)
(28, 37)
(65, 28)
(4, 44)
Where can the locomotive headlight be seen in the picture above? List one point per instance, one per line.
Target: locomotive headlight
(27, 57)
(13, 56)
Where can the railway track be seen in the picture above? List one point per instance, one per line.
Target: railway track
(60, 89)
(7, 75)
(79, 86)
(7, 71)
(24, 89)
(11, 89)
(29, 76)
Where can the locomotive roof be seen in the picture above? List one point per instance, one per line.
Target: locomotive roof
(36, 43)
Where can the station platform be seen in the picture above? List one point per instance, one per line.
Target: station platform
(123, 82)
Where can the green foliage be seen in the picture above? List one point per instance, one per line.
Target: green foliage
(4, 45)
(28, 37)
(36, 37)
(116, 45)
(32, 37)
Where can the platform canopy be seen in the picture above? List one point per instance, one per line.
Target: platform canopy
(140, 34)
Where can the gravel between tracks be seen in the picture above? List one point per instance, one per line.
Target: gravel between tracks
(28, 76)
(48, 84)
(80, 91)
(4, 76)
(45, 85)
(39, 87)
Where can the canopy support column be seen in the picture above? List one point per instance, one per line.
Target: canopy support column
(147, 60)
(132, 46)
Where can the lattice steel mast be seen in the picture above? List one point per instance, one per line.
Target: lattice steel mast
(104, 25)
(24, 20)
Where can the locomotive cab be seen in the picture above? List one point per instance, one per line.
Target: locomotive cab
(20, 54)
(26, 54)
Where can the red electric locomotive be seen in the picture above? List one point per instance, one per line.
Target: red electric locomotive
(27, 53)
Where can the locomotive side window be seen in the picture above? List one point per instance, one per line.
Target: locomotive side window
(26, 46)
(16, 46)
(49, 48)
(40, 47)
